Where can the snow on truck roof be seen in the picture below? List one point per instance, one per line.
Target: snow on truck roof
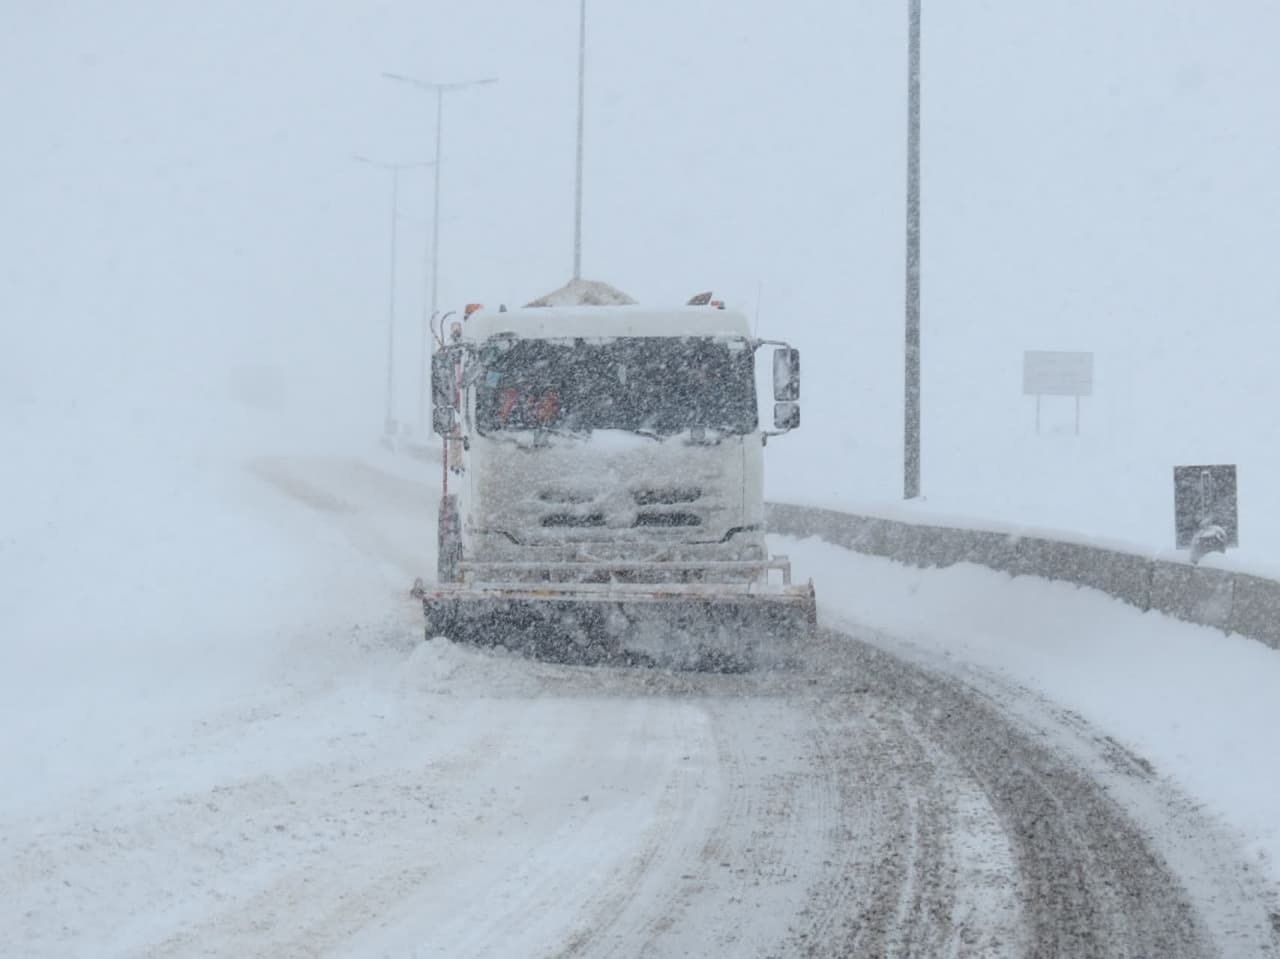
(591, 308)
(584, 293)
(548, 322)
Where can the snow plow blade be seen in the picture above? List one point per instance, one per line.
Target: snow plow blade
(716, 627)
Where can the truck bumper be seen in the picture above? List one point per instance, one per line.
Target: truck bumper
(705, 625)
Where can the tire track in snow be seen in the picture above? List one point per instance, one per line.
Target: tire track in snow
(1088, 879)
(698, 896)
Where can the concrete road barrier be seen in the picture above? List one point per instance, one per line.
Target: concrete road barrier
(1230, 601)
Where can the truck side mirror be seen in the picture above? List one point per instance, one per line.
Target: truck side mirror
(786, 375)
(443, 415)
(786, 416)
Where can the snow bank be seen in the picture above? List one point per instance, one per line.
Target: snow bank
(148, 577)
(439, 667)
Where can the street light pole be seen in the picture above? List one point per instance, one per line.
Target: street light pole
(911, 417)
(577, 190)
(389, 425)
(435, 227)
(440, 89)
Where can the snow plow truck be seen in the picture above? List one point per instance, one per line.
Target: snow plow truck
(602, 494)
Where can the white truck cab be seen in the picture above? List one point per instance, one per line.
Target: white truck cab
(603, 468)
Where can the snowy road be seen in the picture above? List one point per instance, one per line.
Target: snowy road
(389, 797)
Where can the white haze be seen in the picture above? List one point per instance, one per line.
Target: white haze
(193, 269)
(193, 275)
(190, 256)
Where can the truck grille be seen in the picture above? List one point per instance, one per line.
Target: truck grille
(565, 496)
(575, 520)
(654, 508)
(675, 518)
(666, 497)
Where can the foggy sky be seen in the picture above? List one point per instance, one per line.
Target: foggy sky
(182, 216)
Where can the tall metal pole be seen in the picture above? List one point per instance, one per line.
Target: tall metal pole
(425, 345)
(390, 423)
(577, 193)
(911, 419)
(395, 169)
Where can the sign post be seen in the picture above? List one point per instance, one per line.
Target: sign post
(1205, 512)
(1048, 373)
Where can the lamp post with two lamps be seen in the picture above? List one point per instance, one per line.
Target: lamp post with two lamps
(440, 89)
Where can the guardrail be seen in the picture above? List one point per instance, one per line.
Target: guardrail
(1230, 601)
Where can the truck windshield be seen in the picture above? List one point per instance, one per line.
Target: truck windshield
(656, 385)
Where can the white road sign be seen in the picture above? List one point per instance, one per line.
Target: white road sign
(1046, 373)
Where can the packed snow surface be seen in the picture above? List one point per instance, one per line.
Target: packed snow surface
(263, 757)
